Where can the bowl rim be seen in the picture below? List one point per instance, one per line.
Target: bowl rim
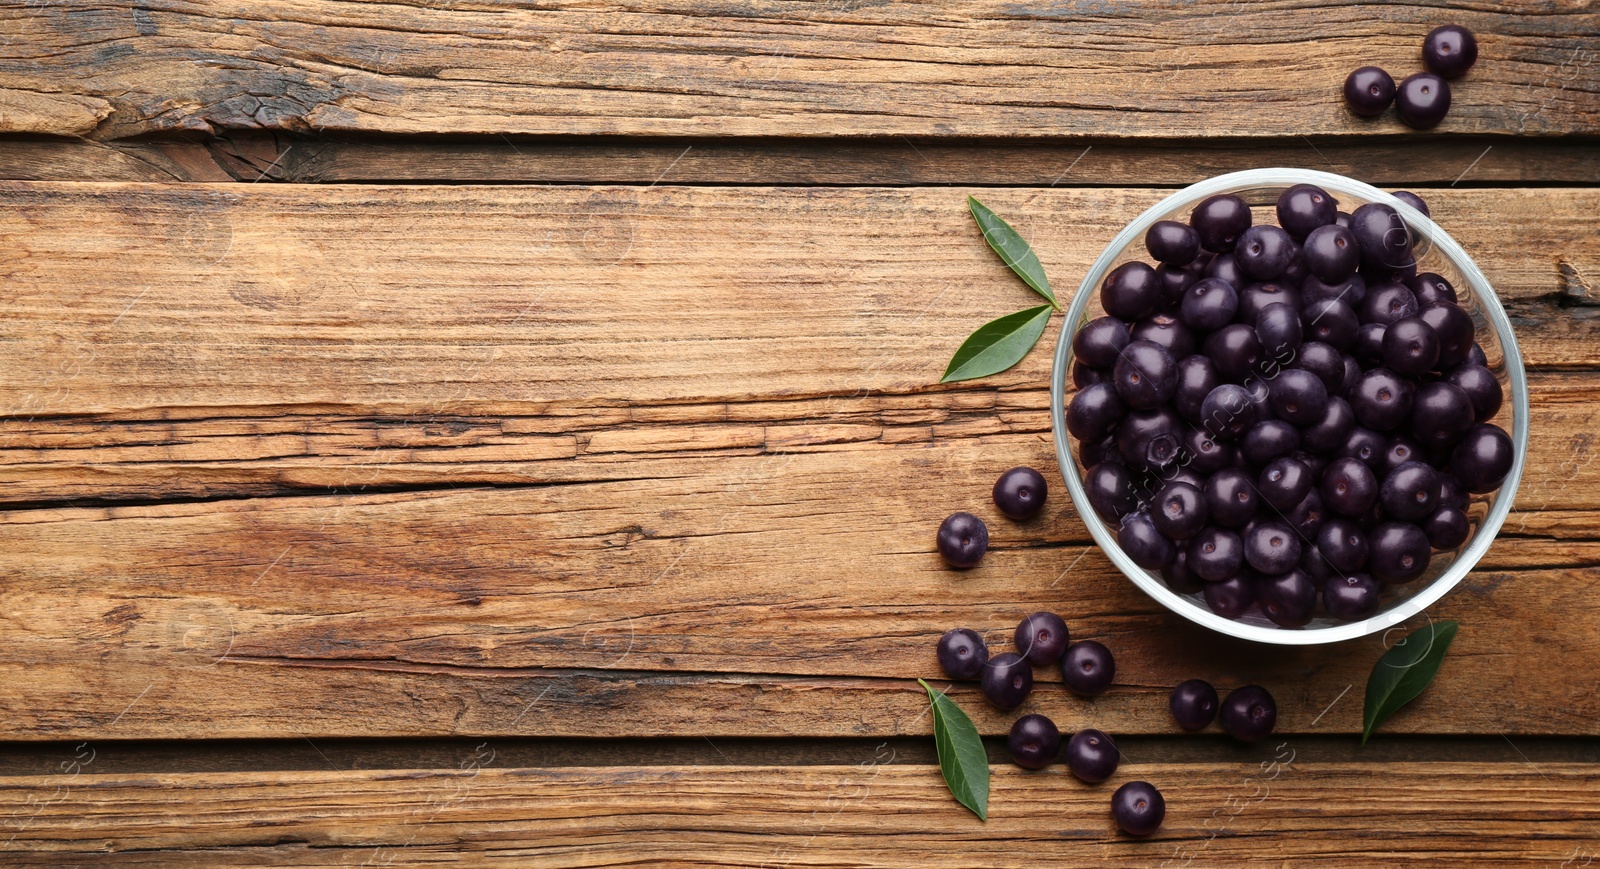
(1487, 300)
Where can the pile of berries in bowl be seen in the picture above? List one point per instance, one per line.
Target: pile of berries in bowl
(1289, 406)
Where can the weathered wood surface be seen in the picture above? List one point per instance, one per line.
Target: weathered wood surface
(871, 813)
(618, 461)
(991, 68)
(1469, 161)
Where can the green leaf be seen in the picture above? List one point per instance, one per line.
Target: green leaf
(997, 345)
(1013, 249)
(1404, 671)
(961, 756)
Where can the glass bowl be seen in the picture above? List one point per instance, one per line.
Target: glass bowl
(1435, 252)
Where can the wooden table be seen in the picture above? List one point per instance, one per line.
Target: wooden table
(510, 432)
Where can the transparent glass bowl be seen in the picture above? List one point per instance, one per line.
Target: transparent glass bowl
(1435, 252)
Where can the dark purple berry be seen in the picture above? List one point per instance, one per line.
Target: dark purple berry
(1225, 268)
(1174, 280)
(1349, 488)
(1322, 360)
(1150, 438)
(1092, 756)
(1441, 414)
(1264, 252)
(1193, 704)
(1272, 548)
(1147, 547)
(1235, 350)
(1331, 432)
(1100, 341)
(962, 653)
(1145, 375)
(1432, 289)
(1268, 440)
(963, 538)
(1094, 412)
(1303, 208)
(1382, 400)
(1368, 91)
(1110, 490)
(1138, 808)
(1172, 242)
(1400, 552)
(1288, 599)
(1331, 253)
(1249, 713)
(1206, 456)
(1131, 292)
(1413, 200)
(1088, 668)
(1220, 220)
(1007, 680)
(1215, 554)
(1382, 236)
(1366, 446)
(1179, 512)
(1388, 302)
(1230, 597)
(1343, 545)
(1482, 459)
(1166, 331)
(1454, 329)
(1284, 483)
(1351, 597)
(1231, 498)
(1298, 397)
(1278, 329)
(1410, 346)
(1196, 378)
(1307, 516)
(1422, 100)
(1331, 322)
(1482, 389)
(1410, 491)
(1352, 290)
(1209, 304)
(1447, 528)
(1450, 50)
(1227, 412)
(1020, 493)
(1034, 741)
(1041, 638)
(1368, 349)
(1255, 298)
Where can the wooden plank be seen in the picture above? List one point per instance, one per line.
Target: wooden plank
(741, 596)
(533, 301)
(695, 536)
(989, 68)
(110, 461)
(1470, 161)
(872, 813)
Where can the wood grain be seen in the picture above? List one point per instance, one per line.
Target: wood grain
(873, 813)
(670, 457)
(992, 68)
(260, 157)
(536, 301)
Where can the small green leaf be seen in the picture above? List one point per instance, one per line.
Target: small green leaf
(961, 756)
(997, 345)
(1404, 671)
(1013, 249)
